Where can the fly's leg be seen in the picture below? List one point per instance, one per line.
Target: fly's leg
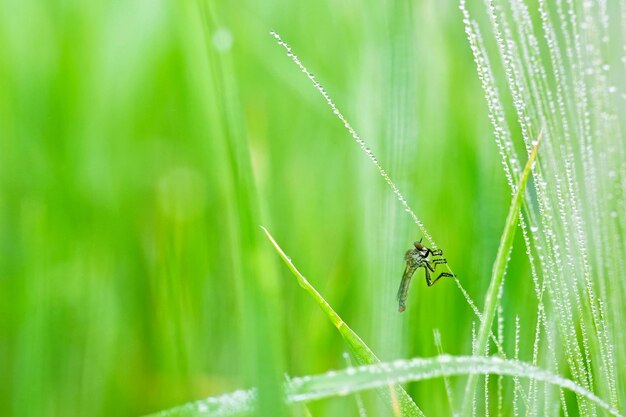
(440, 261)
(427, 273)
(430, 268)
(443, 274)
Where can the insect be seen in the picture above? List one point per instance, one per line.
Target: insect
(417, 257)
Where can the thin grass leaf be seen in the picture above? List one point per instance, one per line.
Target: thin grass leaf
(355, 136)
(362, 353)
(446, 381)
(357, 397)
(499, 268)
(352, 380)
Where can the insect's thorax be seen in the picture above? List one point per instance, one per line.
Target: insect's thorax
(414, 256)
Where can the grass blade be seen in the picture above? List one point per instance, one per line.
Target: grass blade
(362, 353)
(499, 267)
(353, 380)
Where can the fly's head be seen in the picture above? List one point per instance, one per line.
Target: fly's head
(421, 249)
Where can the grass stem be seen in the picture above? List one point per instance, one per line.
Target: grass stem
(498, 271)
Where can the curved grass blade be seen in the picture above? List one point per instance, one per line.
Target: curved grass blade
(497, 274)
(379, 375)
(362, 353)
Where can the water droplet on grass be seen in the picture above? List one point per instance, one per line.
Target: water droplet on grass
(222, 40)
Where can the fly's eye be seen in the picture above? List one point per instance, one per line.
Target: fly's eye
(418, 245)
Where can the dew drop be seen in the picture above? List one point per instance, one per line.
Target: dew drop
(222, 40)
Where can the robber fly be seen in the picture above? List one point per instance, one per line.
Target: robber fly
(417, 257)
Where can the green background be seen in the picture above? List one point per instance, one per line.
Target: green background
(144, 142)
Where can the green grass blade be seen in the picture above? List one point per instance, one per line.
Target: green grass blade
(362, 353)
(353, 380)
(497, 275)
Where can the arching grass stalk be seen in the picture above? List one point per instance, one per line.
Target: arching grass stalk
(497, 275)
(362, 353)
(352, 380)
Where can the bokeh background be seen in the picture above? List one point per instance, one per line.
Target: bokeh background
(144, 142)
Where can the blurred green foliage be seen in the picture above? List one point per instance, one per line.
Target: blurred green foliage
(143, 142)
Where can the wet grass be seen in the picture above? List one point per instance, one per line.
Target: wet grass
(144, 142)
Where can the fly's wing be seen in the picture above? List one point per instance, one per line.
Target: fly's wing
(403, 291)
